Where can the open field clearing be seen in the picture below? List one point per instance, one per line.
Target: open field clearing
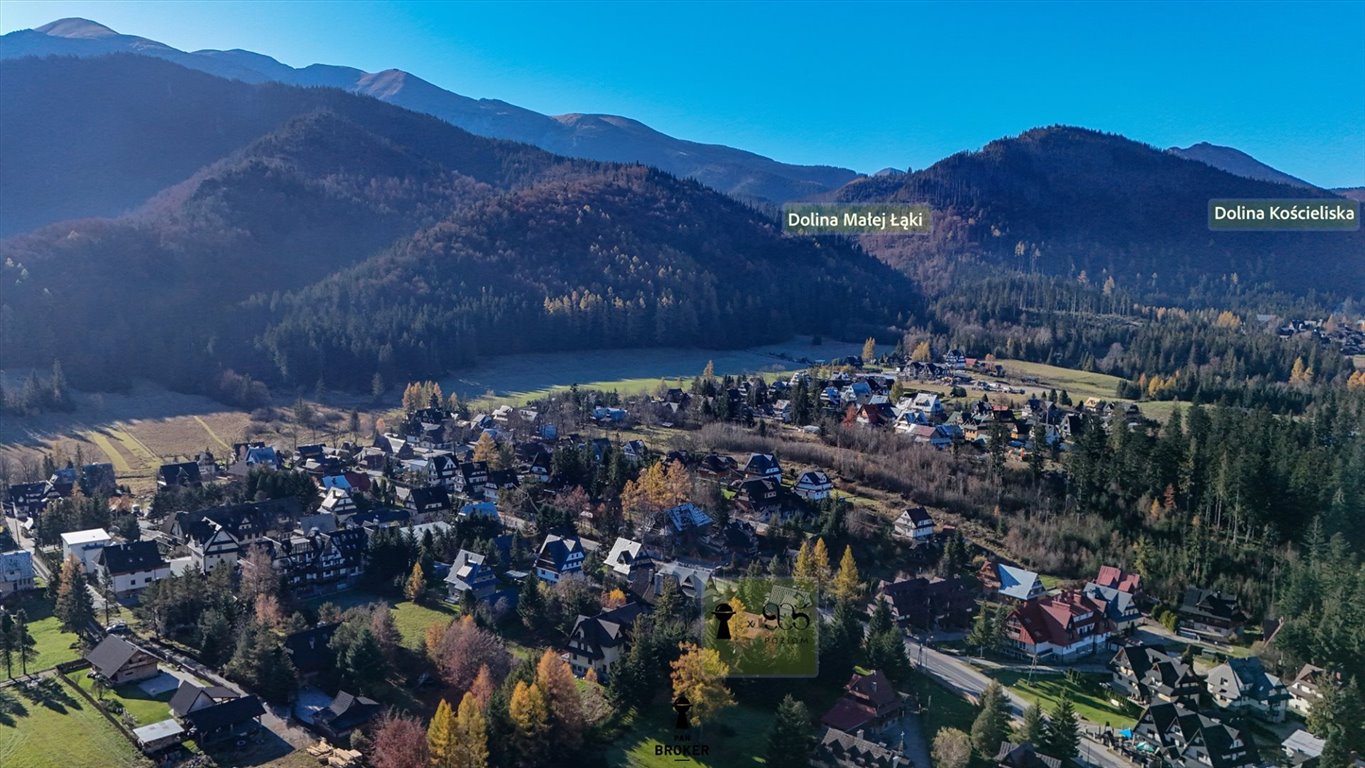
(55, 720)
(629, 371)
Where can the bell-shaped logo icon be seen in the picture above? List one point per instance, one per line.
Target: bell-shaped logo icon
(681, 705)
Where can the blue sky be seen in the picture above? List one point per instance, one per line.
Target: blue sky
(865, 85)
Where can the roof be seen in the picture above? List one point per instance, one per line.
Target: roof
(135, 557)
(1023, 756)
(1057, 620)
(16, 565)
(686, 517)
(111, 654)
(348, 711)
(1017, 582)
(608, 629)
(1246, 678)
(1304, 743)
(188, 693)
(918, 515)
(875, 687)
(846, 749)
(1116, 578)
(622, 554)
(556, 549)
(1205, 603)
(164, 729)
(226, 714)
(311, 649)
(90, 536)
(468, 571)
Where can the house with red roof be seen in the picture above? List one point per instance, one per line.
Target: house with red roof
(1116, 578)
(1061, 627)
(868, 701)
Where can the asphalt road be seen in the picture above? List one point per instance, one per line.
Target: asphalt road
(961, 677)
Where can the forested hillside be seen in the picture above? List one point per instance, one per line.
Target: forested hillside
(1067, 201)
(462, 246)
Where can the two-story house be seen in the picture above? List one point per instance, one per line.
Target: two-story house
(1065, 626)
(1244, 686)
(813, 486)
(470, 575)
(915, 525)
(598, 642)
(1146, 674)
(560, 557)
(130, 568)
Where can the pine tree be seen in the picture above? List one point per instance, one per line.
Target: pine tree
(1034, 728)
(441, 736)
(471, 735)
(1062, 735)
(992, 724)
(75, 608)
(847, 584)
(790, 740)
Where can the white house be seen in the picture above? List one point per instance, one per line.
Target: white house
(130, 568)
(85, 546)
(927, 404)
(915, 525)
(560, 557)
(211, 545)
(16, 572)
(813, 486)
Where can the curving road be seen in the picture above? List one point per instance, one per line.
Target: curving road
(961, 677)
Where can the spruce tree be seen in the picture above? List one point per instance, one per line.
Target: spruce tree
(790, 740)
(992, 725)
(1034, 728)
(1062, 735)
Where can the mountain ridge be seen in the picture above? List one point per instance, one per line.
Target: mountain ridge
(734, 171)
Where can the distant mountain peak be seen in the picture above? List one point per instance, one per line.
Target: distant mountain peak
(76, 28)
(1236, 162)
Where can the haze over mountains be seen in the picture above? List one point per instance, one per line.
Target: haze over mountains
(596, 137)
(305, 235)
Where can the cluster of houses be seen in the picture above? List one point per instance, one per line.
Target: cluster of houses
(25, 501)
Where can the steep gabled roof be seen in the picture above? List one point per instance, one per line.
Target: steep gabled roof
(134, 557)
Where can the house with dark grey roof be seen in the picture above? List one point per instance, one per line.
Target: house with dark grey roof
(1023, 756)
(1119, 607)
(190, 697)
(311, 649)
(763, 465)
(839, 749)
(226, 720)
(915, 525)
(184, 474)
(598, 642)
(1147, 674)
(1205, 613)
(118, 661)
(813, 486)
(130, 568)
(560, 557)
(929, 604)
(346, 713)
(1184, 738)
(1244, 686)
(470, 574)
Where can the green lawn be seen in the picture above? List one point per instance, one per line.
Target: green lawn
(145, 709)
(54, 645)
(58, 727)
(1091, 696)
(1078, 384)
(738, 740)
(411, 619)
(943, 708)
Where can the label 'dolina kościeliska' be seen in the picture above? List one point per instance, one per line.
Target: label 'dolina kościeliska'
(1308, 214)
